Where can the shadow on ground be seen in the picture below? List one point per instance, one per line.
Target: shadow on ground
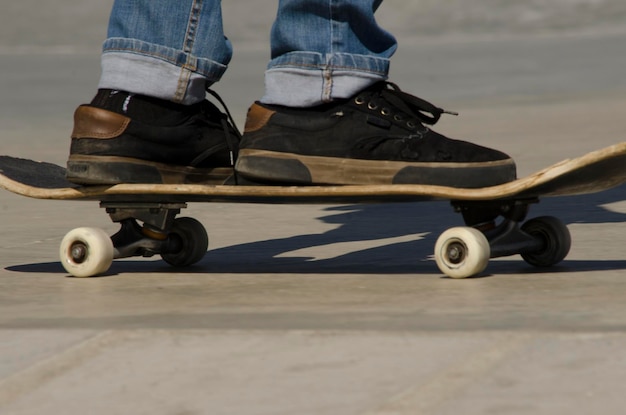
(375, 239)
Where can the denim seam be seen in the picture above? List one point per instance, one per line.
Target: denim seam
(327, 68)
(327, 71)
(190, 64)
(332, 62)
(190, 33)
(333, 26)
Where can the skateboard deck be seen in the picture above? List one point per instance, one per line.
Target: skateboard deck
(593, 172)
(459, 252)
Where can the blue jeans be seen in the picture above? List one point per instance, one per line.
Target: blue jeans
(172, 49)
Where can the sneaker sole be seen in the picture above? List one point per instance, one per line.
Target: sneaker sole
(109, 170)
(276, 167)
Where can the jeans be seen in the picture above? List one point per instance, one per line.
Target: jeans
(173, 49)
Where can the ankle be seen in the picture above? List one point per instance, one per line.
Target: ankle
(141, 108)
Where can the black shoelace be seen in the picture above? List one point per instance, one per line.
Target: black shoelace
(230, 129)
(405, 106)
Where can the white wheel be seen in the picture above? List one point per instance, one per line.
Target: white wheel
(462, 252)
(86, 252)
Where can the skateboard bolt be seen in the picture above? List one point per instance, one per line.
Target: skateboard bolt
(456, 252)
(78, 252)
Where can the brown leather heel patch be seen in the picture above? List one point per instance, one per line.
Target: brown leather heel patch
(257, 118)
(90, 122)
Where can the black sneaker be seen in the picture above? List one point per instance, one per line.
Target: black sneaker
(376, 137)
(125, 138)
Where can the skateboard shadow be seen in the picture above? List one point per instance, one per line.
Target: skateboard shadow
(591, 208)
(376, 239)
(402, 238)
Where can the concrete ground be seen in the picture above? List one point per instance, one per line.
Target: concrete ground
(322, 309)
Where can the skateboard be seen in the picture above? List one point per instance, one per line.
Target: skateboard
(495, 217)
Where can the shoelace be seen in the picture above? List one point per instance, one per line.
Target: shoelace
(227, 123)
(229, 128)
(385, 94)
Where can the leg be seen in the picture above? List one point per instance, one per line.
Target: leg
(165, 49)
(149, 122)
(329, 117)
(325, 50)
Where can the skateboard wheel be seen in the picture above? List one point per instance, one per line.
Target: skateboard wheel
(462, 252)
(86, 252)
(555, 237)
(191, 242)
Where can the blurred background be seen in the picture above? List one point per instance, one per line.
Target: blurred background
(80, 25)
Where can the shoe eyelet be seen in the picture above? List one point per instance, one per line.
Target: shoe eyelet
(372, 106)
(359, 101)
(397, 118)
(385, 111)
(411, 124)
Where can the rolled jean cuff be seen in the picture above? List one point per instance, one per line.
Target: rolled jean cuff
(157, 71)
(304, 79)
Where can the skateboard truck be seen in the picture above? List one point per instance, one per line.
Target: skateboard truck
(159, 216)
(179, 241)
(461, 252)
(505, 238)
(149, 239)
